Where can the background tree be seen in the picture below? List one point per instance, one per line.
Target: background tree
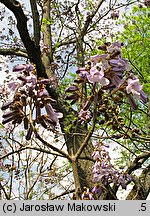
(64, 33)
(136, 49)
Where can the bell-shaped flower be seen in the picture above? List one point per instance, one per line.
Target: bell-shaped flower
(122, 181)
(31, 79)
(115, 47)
(132, 102)
(97, 190)
(98, 58)
(135, 88)
(95, 155)
(84, 115)
(116, 80)
(72, 88)
(119, 65)
(97, 76)
(54, 116)
(43, 93)
(23, 67)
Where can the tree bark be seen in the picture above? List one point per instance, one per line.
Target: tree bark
(141, 188)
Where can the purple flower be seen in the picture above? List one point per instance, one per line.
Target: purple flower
(52, 114)
(12, 86)
(129, 177)
(31, 79)
(132, 102)
(119, 65)
(30, 67)
(122, 181)
(134, 87)
(6, 106)
(97, 190)
(98, 58)
(6, 120)
(143, 97)
(8, 114)
(71, 88)
(116, 80)
(88, 103)
(43, 93)
(97, 76)
(114, 47)
(19, 68)
(44, 81)
(96, 155)
(84, 115)
(23, 67)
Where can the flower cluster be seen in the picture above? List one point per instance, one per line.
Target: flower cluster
(104, 172)
(31, 103)
(108, 71)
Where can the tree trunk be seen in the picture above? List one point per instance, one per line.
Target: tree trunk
(141, 188)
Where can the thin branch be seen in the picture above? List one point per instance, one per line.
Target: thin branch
(90, 17)
(13, 51)
(63, 194)
(138, 161)
(30, 147)
(52, 147)
(68, 58)
(3, 189)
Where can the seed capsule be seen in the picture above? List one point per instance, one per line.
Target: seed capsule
(25, 123)
(6, 106)
(29, 133)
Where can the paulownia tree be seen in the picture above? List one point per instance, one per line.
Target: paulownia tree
(97, 109)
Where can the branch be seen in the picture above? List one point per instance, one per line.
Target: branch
(138, 161)
(29, 147)
(36, 23)
(33, 52)
(13, 51)
(90, 17)
(64, 193)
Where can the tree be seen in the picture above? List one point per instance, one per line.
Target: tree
(91, 111)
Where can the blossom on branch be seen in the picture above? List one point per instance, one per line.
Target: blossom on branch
(30, 95)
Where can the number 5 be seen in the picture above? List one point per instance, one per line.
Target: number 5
(143, 206)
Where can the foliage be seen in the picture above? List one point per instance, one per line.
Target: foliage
(137, 48)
